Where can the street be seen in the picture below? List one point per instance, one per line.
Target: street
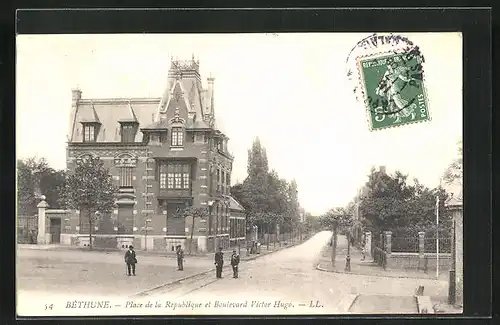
(284, 282)
(289, 277)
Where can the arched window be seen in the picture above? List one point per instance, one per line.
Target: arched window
(126, 164)
(85, 156)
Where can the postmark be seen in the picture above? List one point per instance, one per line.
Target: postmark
(389, 81)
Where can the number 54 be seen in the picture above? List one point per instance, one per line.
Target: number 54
(49, 307)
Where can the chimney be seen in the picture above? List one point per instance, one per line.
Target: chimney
(76, 95)
(210, 91)
(382, 169)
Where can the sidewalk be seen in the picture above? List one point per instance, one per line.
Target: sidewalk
(436, 289)
(367, 267)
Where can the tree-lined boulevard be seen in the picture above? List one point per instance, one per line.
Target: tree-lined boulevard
(284, 278)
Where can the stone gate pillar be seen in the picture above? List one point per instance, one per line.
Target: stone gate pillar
(388, 241)
(368, 245)
(42, 221)
(455, 205)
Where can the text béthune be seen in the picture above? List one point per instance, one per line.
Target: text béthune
(88, 304)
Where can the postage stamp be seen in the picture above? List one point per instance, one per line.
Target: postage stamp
(388, 79)
(393, 88)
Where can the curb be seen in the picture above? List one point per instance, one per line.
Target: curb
(318, 267)
(352, 298)
(424, 305)
(144, 293)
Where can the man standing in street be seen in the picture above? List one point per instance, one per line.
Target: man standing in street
(235, 260)
(219, 263)
(131, 260)
(180, 258)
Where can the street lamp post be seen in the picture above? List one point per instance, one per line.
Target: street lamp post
(348, 257)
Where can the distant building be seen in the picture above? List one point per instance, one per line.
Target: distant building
(164, 154)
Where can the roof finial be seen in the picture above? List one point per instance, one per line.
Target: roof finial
(192, 56)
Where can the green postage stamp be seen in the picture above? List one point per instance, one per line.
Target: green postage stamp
(394, 89)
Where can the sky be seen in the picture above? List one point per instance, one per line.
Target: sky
(290, 90)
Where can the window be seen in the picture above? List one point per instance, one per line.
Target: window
(175, 176)
(126, 175)
(224, 182)
(88, 133)
(178, 183)
(163, 180)
(170, 180)
(218, 180)
(177, 137)
(128, 132)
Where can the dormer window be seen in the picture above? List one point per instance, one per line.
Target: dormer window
(177, 137)
(128, 132)
(89, 132)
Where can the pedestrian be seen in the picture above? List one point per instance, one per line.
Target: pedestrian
(219, 263)
(363, 253)
(131, 260)
(235, 260)
(180, 258)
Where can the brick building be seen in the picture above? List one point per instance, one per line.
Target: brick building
(164, 154)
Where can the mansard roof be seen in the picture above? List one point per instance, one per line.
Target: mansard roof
(109, 113)
(184, 93)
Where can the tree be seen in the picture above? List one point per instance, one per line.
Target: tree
(34, 178)
(194, 212)
(254, 190)
(392, 204)
(336, 219)
(454, 172)
(90, 189)
(311, 223)
(257, 160)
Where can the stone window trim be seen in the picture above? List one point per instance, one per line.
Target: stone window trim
(125, 160)
(85, 156)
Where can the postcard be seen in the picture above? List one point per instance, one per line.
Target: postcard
(239, 174)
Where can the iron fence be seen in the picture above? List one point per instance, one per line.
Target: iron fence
(27, 229)
(404, 244)
(444, 245)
